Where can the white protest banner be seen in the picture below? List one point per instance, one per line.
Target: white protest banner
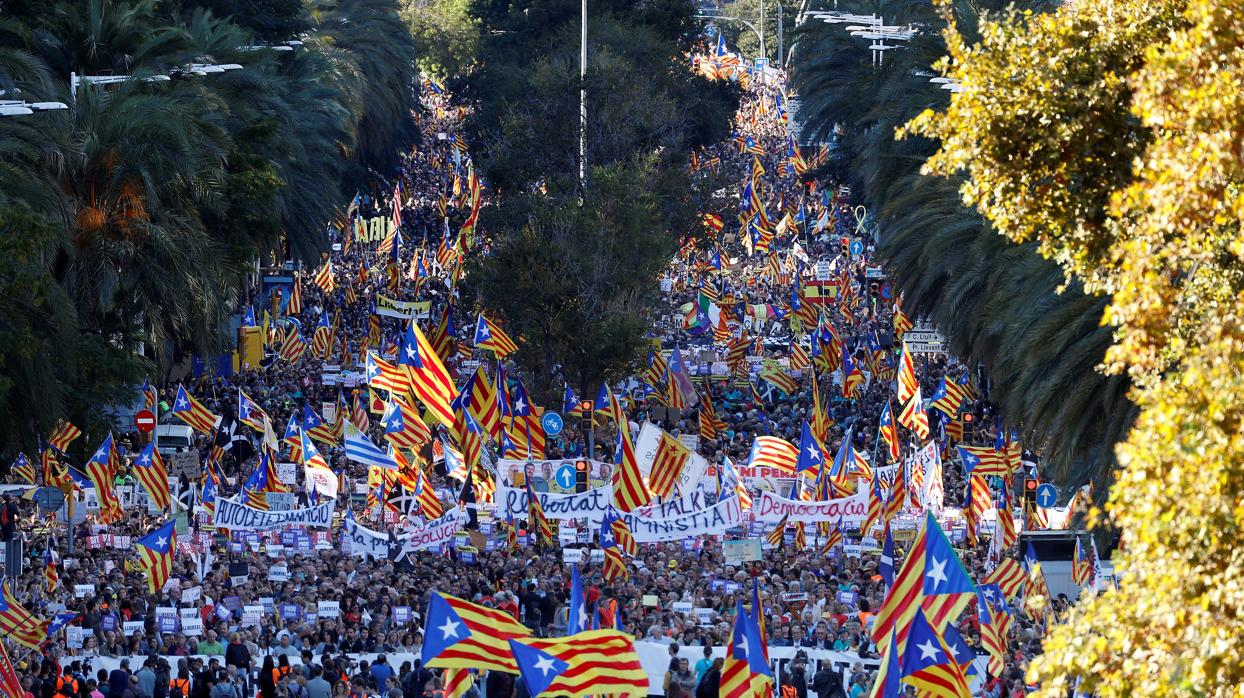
(73, 637)
(191, 595)
(278, 573)
(683, 607)
(590, 505)
(287, 473)
(572, 556)
(130, 627)
(646, 451)
(739, 551)
(239, 517)
(322, 480)
(567, 536)
(192, 626)
(81, 590)
(365, 542)
(252, 614)
(328, 609)
(715, 519)
(704, 616)
(696, 501)
(852, 510)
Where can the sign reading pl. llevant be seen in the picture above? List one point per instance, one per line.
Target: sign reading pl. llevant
(239, 517)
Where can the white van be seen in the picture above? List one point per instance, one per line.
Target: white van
(174, 438)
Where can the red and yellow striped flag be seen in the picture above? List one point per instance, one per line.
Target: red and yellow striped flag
(667, 466)
(629, 490)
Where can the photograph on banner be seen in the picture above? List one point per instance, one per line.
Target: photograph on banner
(550, 475)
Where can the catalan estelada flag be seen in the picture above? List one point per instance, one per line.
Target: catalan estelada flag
(949, 396)
(151, 472)
(63, 435)
(593, 662)
(155, 555)
(22, 469)
(101, 470)
(745, 673)
(928, 664)
(535, 515)
(489, 336)
(385, 376)
(17, 623)
(773, 452)
(10, 682)
(1008, 576)
(667, 465)
(889, 432)
(629, 490)
(779, 379)
(429, 380)
(932, 580)
(192, 412)
(461, 634)
(983, 461)
(457, 682)
(324, 277)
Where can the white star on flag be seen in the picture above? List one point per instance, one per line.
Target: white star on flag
(450, 628)
(545, 664)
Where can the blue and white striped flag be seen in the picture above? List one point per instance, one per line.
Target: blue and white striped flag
(360, 449)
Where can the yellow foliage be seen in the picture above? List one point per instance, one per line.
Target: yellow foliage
(1112, 133)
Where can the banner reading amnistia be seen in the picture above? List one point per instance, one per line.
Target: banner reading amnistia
(716, 519)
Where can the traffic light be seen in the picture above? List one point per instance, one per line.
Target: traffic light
(1030, 491)
(581, 475)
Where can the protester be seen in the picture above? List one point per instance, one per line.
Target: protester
(217, 577)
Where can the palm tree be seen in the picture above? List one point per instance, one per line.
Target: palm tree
(998, 303)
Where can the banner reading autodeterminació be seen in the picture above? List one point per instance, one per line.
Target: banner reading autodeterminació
(239, 517)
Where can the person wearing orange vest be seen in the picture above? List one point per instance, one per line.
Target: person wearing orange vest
(66, 686)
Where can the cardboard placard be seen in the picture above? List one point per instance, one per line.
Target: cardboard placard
(328, 609)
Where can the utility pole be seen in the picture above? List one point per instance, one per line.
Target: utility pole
(780, 55)
(762, 29)
(583, 100)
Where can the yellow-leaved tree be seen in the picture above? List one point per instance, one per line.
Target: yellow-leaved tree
(1111, 132)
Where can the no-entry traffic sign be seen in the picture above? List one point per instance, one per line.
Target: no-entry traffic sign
(144, 421)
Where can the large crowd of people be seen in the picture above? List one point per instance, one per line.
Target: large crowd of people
(371, 645)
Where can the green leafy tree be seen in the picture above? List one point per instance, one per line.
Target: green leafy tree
(1108, 135)
(997, 302)
(591, 255)
(445, 35)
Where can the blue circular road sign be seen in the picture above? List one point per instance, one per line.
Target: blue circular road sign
(857, 248)
(565, 476)
(1047, 495)
(552, 423)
